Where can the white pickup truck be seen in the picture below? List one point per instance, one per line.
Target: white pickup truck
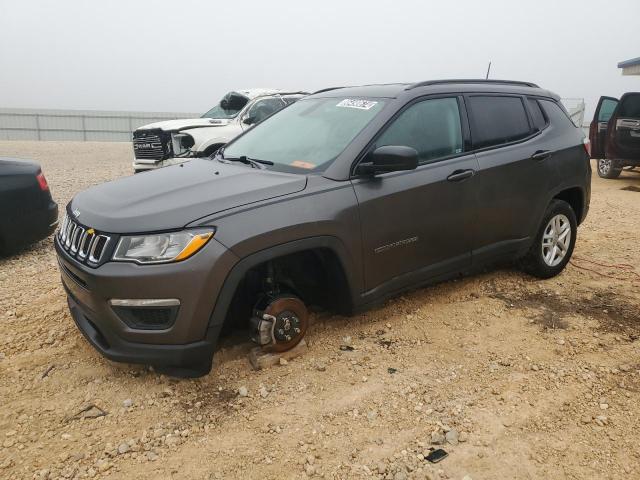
(175, 141)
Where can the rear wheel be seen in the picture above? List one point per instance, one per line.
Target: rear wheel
(554, 243)
(608, 168)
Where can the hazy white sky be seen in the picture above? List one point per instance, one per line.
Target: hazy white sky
(182, 55)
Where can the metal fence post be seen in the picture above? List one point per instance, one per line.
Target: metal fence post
(84, 129)
(38, 126)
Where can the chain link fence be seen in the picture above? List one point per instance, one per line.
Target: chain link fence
(77, 125)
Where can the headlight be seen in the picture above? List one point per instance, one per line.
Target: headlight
(182, 144)
(161, 247)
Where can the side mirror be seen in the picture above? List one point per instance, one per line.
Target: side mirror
(389, 158)
(249, 120)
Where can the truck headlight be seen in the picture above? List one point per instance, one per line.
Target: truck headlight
(161, 247)
(182, 144)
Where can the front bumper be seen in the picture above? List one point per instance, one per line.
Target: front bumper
(114, 348)
(144, 165)
(189, 341)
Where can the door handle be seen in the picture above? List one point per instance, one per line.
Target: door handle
(541, 154)
(460, 175)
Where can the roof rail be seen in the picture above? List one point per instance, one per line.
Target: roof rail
(328, 89)
(467, 80)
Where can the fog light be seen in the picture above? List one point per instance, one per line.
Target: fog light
(146, 314)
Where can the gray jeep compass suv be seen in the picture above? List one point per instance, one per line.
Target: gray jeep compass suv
(341, 200)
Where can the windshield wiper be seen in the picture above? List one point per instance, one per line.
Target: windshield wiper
(257, 160)
(248, 161)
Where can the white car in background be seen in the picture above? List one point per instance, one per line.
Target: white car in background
(175, 141)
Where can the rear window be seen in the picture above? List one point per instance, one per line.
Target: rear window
(539, 120)
(556, 114)
(630, 107)
(497, 120)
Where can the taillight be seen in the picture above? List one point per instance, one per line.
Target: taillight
(586, 143)
(42, 181)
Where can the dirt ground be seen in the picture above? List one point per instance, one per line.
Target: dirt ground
(517, 378)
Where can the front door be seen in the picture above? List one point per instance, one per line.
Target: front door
(600, 124)
(417, 224)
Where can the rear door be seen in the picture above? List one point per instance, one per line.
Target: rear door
(599, 125)
(512, 183)
(623, 141)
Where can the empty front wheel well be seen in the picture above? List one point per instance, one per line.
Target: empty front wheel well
(316, 276)
(575, 198)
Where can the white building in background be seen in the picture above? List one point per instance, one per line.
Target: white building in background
(630, 67)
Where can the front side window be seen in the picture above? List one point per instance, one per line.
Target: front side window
(291, 99)
(264, 108)
(432, 127)
(308, 135)
(497, 120)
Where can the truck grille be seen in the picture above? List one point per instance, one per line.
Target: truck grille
(150, 145)
(84, 244)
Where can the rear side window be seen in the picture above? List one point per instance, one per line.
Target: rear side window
(497, 120)
(539, 120)
(556, 114)
(432, 127)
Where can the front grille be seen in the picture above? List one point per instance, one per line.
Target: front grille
(151, 144)
(84, 244)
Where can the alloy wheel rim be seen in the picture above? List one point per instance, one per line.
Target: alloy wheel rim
(604, 165)
(556, 240)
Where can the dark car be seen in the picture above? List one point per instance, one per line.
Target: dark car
(341, 200)
(27, 211)
(614, 134)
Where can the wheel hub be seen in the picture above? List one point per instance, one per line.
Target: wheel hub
(286, 326)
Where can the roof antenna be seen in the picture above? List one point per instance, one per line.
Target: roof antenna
(488, 70)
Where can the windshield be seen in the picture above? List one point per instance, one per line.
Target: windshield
(630, 107)
(307, 135)
(230, 105)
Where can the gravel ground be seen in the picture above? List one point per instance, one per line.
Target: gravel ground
(515, 378)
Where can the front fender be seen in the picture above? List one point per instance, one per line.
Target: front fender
(206, 137)
(239, 270)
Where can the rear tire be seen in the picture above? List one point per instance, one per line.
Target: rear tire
(552, 248)
(608, 168)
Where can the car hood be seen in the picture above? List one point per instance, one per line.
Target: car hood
(184, 124)
(172, 197)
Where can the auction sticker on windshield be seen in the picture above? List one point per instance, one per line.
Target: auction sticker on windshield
(356, 103)
(301, 164)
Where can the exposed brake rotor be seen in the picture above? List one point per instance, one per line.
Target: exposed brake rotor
(282, 323)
